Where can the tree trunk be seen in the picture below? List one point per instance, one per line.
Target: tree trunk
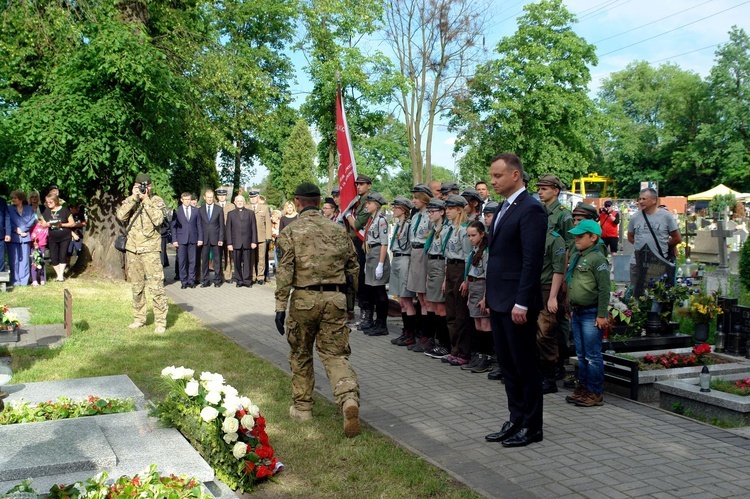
(237, 173)
(102, 227)
(333, 177)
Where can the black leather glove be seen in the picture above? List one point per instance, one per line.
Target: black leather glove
(280, 318)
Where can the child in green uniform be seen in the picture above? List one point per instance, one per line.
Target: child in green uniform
(588, 293)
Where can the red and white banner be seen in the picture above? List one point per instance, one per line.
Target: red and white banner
(347, 165)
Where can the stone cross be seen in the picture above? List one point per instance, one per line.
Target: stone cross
(722, 234)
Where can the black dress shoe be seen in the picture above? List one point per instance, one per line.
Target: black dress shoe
(495, 375)
(549, 385)
(508, 430)
(205, 284)
(524, 438)
(239, 284)
(184, 286)
(217, 284)
(192, 284)
(260, 281)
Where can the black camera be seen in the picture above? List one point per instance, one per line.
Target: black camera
(603, 210)
(143, 187)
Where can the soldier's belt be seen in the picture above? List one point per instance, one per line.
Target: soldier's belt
(337, 288)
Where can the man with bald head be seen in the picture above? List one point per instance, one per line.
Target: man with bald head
(242, 239)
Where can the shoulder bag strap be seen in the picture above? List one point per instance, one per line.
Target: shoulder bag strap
(658, 248)
(132, 220)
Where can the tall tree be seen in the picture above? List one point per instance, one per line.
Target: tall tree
(652, 117)
(532, 99)
(436, 47)
(330, 43)
(92, 93)
(298, 158)
(726, 139)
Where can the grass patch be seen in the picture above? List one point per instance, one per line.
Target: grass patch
(680, 409)
(723, 385)
(320, 461)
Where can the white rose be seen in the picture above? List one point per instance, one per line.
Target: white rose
(187, 373)
(207, 376)
(213, 397)
(218, 378)
(230, 425)
(248, 421)
(253, 411)
(239, 450)
(209, 414)
(167, 371)
(230, 437)
(191, 389)
(230, 391)
(231, 405)
(214, 386)
(245, 402)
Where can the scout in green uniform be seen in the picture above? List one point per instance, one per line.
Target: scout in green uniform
(355, 222)
(588, 293)
(559, 217)
(553, 272)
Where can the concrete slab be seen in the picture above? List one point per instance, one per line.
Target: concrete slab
(118, 386)
(53, 447)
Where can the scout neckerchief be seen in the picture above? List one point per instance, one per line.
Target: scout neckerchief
(397, 235)
(416, 225)
(573, 264)
(367, 228)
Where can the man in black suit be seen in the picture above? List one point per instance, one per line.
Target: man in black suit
(212, 218)
(187, 234)
(242, 239)
(514, 297)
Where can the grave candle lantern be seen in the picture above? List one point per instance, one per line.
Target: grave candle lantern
(705, 379)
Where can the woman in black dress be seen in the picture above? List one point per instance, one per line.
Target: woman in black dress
(59, 221)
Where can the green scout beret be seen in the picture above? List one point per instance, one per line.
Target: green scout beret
(583, 209)
(585, 226)
(454, 200)
(377, 197)
(550, 180)
(142, 177)
(402, 201)
(363, 179)
(307, 190)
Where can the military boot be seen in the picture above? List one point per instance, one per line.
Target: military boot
(298, 415)
(366, 322)
(379, 328)
(352, 426)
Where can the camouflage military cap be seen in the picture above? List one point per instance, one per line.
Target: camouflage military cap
(446, 187)
(307, 190)
(402, 201)
(139, 179)
(377, 197)
(422, 188)
(490, 207)
(550, 180)
(436, 203)
(363, 179)
(455, 201)
(584, 209)
(472, 194)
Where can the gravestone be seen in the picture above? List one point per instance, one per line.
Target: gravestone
(650, 266)
(721, 233)
(739, 330)
(68, 313)
(705, 248)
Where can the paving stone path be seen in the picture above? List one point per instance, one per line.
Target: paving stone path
(622, 449)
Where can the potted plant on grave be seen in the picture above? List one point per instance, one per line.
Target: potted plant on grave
(626, 320)
(703, 308)
(663, 296)
(9, 320)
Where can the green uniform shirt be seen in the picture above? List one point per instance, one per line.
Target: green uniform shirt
(589, 281)
(554, 256)
(360, 218)
(560, 219)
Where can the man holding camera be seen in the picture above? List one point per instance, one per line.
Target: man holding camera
(609, 219)
(145, 212)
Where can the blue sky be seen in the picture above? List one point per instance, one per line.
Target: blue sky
(684, 32)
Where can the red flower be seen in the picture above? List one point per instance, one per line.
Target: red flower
(263, 438)
(263, 472)
(249, 467)
(264, 451)
(260, 422)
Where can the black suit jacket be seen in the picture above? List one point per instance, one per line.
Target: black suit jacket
(186, 231)
(213, 230)
(241, 230)
(516, 255)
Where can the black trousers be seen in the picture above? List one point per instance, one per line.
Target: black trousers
(517, 354)
(215, 251)
(243, 266)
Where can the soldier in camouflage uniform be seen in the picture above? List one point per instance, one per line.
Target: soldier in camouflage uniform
(146, 212)
(316, 260)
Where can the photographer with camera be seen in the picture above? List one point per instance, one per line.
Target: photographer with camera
(609, 219)
(146, 212)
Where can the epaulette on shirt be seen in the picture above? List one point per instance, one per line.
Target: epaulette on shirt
(554, 233)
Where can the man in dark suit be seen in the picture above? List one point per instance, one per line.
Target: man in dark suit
(242, 239)
(514, 297)
(212, 218)
(187, 234)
